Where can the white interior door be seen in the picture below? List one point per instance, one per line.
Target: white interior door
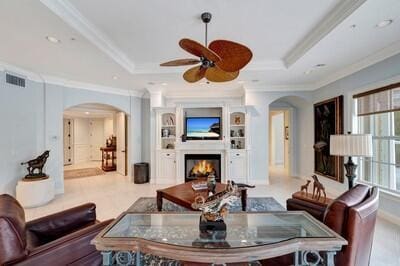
(121, 142)
(68, 144)
(96, 138)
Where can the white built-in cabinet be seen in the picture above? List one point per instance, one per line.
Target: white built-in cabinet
(170, 150)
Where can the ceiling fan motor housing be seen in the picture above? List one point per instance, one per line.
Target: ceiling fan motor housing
(206, 17)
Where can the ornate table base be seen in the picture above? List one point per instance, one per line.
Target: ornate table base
(111, 258)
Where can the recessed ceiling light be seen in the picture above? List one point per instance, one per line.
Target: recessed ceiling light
(115, 77)
(73, 39)
(164, 84)
(53, 39)
(240, 82)
(87, 113)
(353, 26)
(320, 65)
(384, 23)
(255, 80)
(150, 83)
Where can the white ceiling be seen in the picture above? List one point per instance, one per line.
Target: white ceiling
(128, 39)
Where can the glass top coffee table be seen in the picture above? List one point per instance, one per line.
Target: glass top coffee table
(249, 237)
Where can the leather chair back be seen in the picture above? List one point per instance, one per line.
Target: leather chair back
(353, 216)
(12, 230)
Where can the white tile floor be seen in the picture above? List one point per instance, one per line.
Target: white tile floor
(114, 193)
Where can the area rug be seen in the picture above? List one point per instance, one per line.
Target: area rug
(84, 172)
(149, 204)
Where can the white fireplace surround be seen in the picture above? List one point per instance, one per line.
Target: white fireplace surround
(168, 165)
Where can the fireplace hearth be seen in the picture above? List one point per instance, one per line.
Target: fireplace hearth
(202, 165)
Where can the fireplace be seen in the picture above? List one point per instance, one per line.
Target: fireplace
(201, 165)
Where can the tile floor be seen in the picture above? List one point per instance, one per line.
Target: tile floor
(114, 193)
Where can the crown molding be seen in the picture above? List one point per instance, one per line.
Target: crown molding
(70, 15)
(280, 88)
(339, 13)
(47, 79)
(91, 87)
(370, 60)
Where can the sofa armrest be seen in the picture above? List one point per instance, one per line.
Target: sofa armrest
(59, 224)
(301, 205)
(68, 249)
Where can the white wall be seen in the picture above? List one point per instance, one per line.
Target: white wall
(32, 121)
(108, 127)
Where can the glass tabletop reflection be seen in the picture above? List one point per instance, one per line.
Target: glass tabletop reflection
(243, 229)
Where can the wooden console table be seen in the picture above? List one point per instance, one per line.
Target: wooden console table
(108, 158)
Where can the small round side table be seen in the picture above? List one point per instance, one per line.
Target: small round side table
(35, 192)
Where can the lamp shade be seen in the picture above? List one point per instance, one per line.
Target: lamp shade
(359, 145)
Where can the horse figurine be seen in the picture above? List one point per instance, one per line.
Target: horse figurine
(37, 164)
(317, 188)
(305, 186)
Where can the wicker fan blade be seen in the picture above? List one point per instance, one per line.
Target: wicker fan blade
(215, 74)
(181, 62)
(198, 49)
(194, 74)
(234, 56)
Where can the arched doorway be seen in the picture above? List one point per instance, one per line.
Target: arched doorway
(94, 140)
(289, 125)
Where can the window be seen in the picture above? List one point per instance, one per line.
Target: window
(379, 115)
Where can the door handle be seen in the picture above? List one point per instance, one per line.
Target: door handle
(123, 151)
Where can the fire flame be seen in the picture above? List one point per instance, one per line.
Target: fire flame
(203, 168)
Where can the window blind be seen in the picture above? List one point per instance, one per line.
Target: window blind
(381, 100)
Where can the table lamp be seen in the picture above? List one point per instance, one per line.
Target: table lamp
(357, 145)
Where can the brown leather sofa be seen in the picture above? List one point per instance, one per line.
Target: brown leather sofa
(62, 238)
(353, 216)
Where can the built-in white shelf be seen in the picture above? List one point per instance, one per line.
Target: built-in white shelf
(237, 128)
(168, 126)
(241, 125)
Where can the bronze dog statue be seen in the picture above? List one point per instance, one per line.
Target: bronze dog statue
(37, 164)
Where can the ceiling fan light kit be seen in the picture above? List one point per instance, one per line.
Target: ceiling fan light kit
(219, 62)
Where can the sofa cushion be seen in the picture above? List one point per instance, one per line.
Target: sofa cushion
(336, 214)
(12, 230)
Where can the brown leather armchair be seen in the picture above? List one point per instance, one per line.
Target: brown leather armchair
(58, 239)
(353, 216)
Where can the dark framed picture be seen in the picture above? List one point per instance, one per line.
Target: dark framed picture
(328, 120)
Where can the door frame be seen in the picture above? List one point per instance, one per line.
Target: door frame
(288, 111)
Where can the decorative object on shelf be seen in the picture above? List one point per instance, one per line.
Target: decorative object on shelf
(359, 145)
(170, 146)
(328, 120)
(232, 133)
(238, 120)
(165, 133)
(215, 207)
(183, 137)
(37, 164)
(286, 133)
(318, 188)
(240, 133)
(239, 145)
(220, 62)
(171, 120)
(305, 186)
(233, 145)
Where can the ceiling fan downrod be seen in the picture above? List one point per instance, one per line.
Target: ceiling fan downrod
(206, 18)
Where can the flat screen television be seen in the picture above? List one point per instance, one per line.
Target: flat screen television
(203, 128)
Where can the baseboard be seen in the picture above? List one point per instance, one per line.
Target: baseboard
(389, 217)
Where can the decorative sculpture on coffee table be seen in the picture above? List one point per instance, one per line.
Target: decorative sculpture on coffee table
(215, 207)
(318, 188)
(305, 186)
(37, 164)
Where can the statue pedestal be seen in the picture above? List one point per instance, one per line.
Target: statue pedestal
(34, 193)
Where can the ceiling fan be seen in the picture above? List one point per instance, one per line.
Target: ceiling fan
(220, 62)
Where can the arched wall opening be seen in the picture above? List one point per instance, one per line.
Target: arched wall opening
(290, 135)
(95, 140)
